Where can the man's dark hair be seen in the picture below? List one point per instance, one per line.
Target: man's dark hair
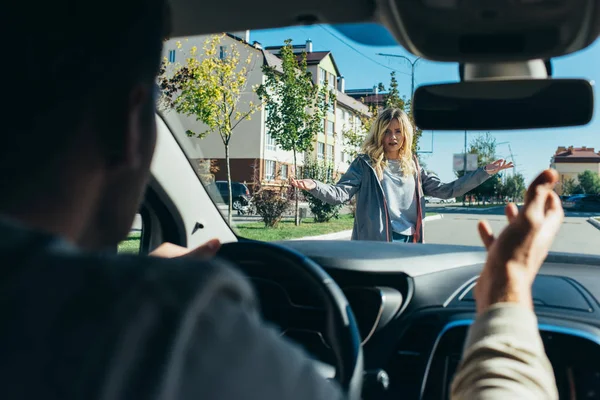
(71, 60)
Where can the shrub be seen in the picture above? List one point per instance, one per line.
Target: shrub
(323, 172)
(270, 203)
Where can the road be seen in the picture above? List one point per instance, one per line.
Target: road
(460, 227)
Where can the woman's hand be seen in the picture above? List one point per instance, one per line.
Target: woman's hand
(497, 166)
(304, 184)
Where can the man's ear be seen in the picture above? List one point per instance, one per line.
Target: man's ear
(139, 98)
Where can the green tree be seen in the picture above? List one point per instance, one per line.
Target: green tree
(210, 88)
(296, 107)
(392, 98)
(589, 182)
(569, 187)
(485, 147)
(515, 187)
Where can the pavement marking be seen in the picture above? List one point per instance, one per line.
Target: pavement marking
(594, 222)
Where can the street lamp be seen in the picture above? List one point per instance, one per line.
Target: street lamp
(412, 63)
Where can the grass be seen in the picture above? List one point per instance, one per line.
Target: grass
(131, 245)
(287, 230)
(257, 231)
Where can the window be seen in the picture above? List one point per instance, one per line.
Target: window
(270, 142)
(222, 52)
(320, 151)
(331, 81)
(322, 75)
(330, 153)
(284, 171)
(269, 170)
(330, 128)
(171, 56)
(132, 244)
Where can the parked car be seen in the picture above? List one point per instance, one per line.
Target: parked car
(436, 200)
(240, 194)
(582, 202)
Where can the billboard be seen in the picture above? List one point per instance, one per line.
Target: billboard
(458, 162)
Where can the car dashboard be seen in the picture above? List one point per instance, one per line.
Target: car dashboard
(414, 303)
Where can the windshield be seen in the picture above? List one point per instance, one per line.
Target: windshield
(248, 130)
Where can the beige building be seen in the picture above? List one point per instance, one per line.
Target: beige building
(569, 162)
(251, 144)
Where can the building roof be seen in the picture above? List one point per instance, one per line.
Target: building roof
(346, 101)
(576, 155)
(272, 60)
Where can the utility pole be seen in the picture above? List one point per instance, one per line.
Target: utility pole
(465, 165)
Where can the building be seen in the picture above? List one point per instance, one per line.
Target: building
(569, 162)
(371, 97)
(253, 153)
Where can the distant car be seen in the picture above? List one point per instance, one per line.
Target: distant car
(582, 202)
(436, 200)
(240, 194)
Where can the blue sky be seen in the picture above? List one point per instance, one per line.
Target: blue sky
(362, 68)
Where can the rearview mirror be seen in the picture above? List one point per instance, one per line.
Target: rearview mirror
(504, 104)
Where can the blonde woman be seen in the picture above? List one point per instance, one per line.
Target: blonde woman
(390, 185)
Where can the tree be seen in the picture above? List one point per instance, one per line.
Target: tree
(589, 182)
(296, 107)
(209, 87)
(515, 187)
(485, 148)
(569, 187)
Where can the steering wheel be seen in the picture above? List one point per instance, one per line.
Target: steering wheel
(341, 328)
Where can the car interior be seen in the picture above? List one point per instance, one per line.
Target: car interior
(390, 321)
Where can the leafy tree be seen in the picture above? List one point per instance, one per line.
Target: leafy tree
(515, 187)
(296, 107)
(210, 88)
(392, 98)
(353, 139)
(324, 172)
(485, 148)
(569, 187)
(589, 182)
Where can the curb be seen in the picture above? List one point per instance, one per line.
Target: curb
(595, 224)
(344, 235)
(330, 236)
(433, 218)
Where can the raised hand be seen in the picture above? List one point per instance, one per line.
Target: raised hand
(497, 166)
(515, 257)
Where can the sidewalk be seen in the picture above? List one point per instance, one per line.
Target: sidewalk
(346, 235)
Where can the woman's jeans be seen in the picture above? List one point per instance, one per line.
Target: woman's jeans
(397, 237)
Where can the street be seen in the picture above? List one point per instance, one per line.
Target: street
(459, 227)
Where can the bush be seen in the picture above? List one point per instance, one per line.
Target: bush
(270, 204)
(323, 172)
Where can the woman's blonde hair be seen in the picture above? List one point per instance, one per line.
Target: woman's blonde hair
(373, 145)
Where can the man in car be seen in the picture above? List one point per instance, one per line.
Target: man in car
(78, 137)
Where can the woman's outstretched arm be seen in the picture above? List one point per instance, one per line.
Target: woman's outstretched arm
(339, 193)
